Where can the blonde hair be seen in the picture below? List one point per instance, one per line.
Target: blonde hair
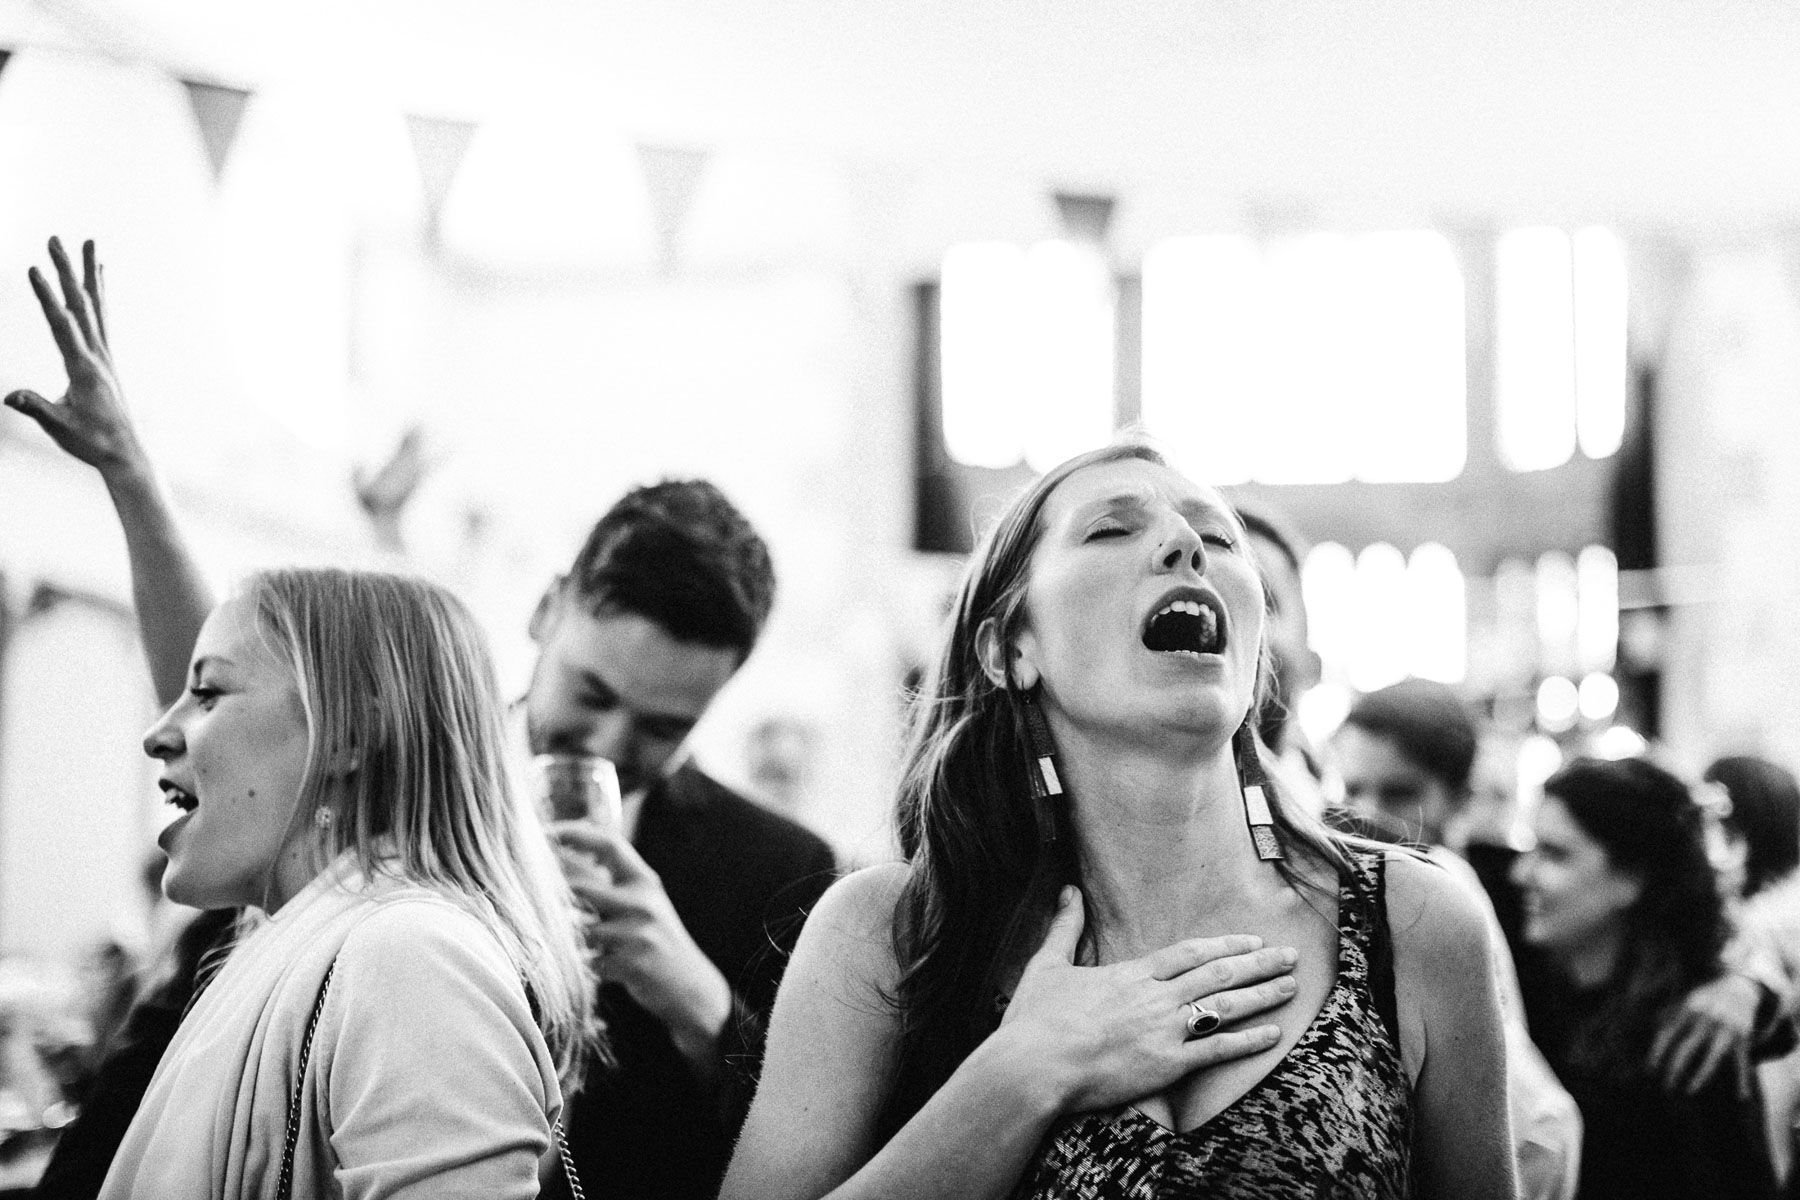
(408, 757)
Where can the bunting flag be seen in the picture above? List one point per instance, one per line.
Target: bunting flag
(672, 174)
(1085, 217)
(439, 145)
(218, 110)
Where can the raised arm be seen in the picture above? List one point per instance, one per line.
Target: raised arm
(1452, 1034)
(1074, 1038)
(92, 424)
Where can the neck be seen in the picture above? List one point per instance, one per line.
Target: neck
(1591, 964)
(1164, 849)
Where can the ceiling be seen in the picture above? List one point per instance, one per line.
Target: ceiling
(1664, 114)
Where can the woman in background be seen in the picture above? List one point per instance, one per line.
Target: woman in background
(1621, 900)
(1115, 963)
(395, 1021)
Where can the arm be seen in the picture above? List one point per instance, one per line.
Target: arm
(1451, 1034)
(439, 1083)
(91, 423)
(1074, 1038)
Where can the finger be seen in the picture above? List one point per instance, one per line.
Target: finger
(618, 856)
(1238, 1003)
(1234, 971)
(1687, 1050)
(1746, 1074)
(1662, 1045)
(589, 837)
(61, 327)
(1712, 1056)
(94, 285)
(1184, 956)
(74, 299)
(1229, 1044)
(1064, 935)
(32, 405)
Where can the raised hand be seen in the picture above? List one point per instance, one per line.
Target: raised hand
(1121, 1030)
(90, 422)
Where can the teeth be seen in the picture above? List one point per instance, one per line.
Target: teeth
(1192, 608)
(179, 797)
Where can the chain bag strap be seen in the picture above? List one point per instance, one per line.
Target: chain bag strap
(284, 1184)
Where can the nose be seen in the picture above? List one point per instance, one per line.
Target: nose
(604, 735)
(1521, 870)
(1180, 545)
(163, 741)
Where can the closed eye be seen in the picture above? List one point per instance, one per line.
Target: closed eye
(205, 697)
(1107, 531)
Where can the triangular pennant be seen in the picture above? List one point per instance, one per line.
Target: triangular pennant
(218, 110)
(672, 174)
(1085, 217)
(439, 145)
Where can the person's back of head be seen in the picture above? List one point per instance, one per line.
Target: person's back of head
(681, 555)
(1280, 555)
(1765, 813)
(407, 764)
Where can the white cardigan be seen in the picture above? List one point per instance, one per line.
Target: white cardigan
(428, 1076)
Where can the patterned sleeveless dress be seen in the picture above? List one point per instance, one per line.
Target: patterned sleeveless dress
(1332, 1119)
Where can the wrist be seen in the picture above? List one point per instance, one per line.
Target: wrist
(129, 477)
(696, 1022)
(1043, 1085)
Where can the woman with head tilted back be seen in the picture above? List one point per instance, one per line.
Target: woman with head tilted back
(1116, 962)
(395, 1022)
(1622, 902)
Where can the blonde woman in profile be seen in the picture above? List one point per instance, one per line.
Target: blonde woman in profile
(395, 1021)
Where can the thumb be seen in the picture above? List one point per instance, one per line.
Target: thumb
(1064, 934)
(29, 403)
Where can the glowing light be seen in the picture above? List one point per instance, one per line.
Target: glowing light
(1599, 696)
(1328, 584)
(1558, 610)
(1310, 402)
(1439, 641)
(1618, 741)
(1535, 349)
(1203, 359)
(1539, 758)
(1407, 369)
(1600, 341)
(1384, 617)
(1558, 700)
(981, 305)
(1597, 592)
(1322, 709)
(1069, 322)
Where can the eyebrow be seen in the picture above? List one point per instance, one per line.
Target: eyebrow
(594, 679)
(1194, 510)
(209, 660)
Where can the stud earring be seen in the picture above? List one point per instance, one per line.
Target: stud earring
(322, 817)
(1255, 784)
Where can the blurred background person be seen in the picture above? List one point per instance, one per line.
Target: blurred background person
(1761, 825)
(1621, 900)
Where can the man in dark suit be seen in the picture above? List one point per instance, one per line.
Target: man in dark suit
(698, 897)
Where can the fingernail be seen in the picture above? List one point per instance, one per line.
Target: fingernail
(1288, 956)
(1268, 1033)
(1286, 985)
(1067, 896)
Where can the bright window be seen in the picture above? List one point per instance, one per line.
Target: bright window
(1535, 349)
(1600, 348)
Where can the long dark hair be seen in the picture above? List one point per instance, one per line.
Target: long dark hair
(986, 860)
(1647, 822)
(1765, 812)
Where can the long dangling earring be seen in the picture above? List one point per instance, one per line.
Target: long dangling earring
(1255, 784)
(1045, 780)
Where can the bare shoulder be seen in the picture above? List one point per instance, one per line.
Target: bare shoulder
(862, 903)
(1432, 911)
(847, 946)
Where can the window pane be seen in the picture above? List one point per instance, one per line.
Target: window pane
(1069, 370)
(983, 347)
(1202, 368)
(1440, 633)
(1407, 381)
(1535, 349)
(1600, 346)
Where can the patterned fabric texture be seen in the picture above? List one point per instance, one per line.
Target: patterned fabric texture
(1331, 1120)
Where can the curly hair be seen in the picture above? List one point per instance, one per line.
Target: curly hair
(682, 555)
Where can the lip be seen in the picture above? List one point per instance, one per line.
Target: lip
(1200, 595)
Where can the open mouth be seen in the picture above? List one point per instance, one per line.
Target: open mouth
(1188, 625)
(180, 797)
